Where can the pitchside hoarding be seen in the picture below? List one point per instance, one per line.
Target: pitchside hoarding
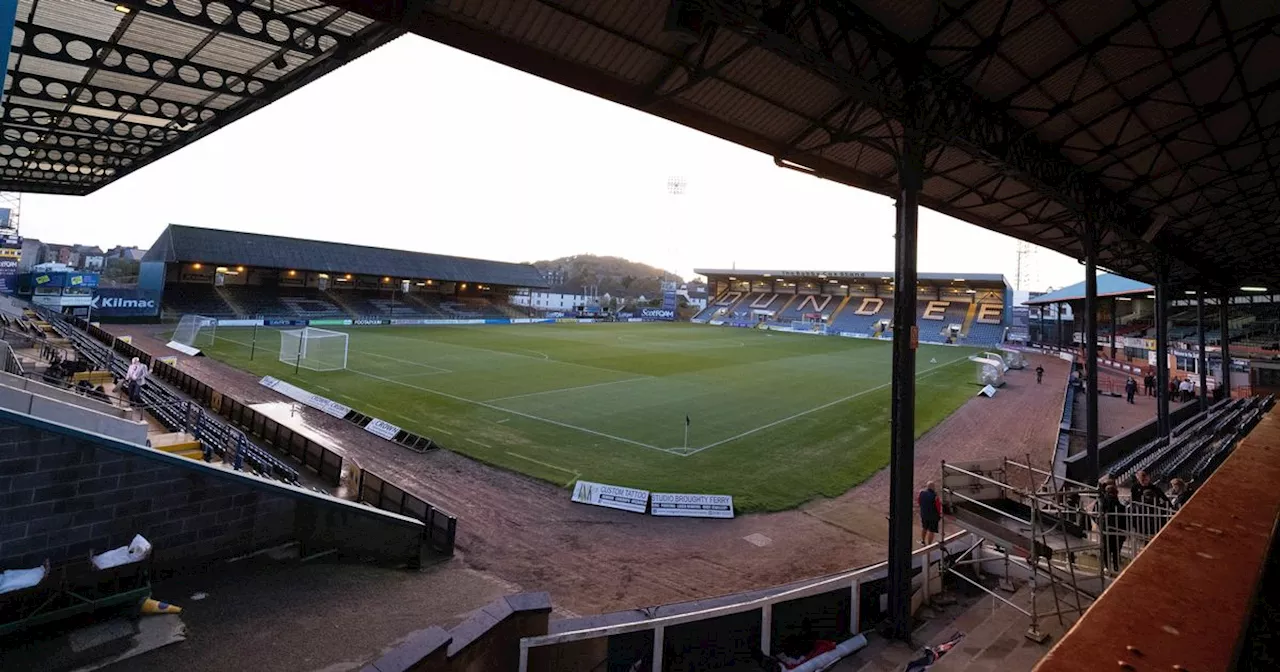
(691, 506)
(611, 496)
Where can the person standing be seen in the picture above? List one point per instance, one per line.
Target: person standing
(1039, 374)
(134, 378)
(930, 513)
(1113, 525)
(1130, 389)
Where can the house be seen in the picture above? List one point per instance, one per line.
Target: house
(91, 257)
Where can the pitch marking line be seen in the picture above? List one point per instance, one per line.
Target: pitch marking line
(568, 389)
(437, 429)
(435, 370)
(513, 412)
(480, 443)
(576, 473)
(815, 409)
(541, 358)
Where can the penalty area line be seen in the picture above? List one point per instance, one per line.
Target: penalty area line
(567, 389)
(530, 416)
(815, 409)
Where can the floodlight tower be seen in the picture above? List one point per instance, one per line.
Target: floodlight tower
(676, 186)
(1025, 252)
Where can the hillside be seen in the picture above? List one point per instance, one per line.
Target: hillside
(614, 276)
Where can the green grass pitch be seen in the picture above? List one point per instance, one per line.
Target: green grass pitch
(776, 419)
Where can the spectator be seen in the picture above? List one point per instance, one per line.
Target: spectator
(1142, 491)
(1149, 385)
(1113, 525)
(1130, 389)
(1187, 388)
(1179, 493)
(1039, 374)
(134, 379)
(930, 513)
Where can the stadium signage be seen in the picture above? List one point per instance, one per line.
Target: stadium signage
(611, 496)
(691, 506)
(382, 428)
(369, 323)
(330, 323)
(315, 401)
(239, 323)
(657, 314)
(284, 323)
(125, 302)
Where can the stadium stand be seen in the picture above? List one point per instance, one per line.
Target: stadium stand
(984, 334)
(197, 299)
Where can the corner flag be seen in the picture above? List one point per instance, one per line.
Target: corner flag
(686, 431)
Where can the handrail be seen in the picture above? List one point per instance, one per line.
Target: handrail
(984, 505)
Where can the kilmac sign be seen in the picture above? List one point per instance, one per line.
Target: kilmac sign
(125, 302)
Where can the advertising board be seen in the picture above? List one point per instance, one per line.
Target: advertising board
(315, 401)
(611, 496)
(125, 302)
(657, 314)
(329, 323)
(691, 506)
(284, 323)
(382, 428)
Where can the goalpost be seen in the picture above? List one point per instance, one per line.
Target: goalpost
(314, 349)
(195, 331)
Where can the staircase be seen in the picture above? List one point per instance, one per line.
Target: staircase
(509, 310)
(337, 299)
(968, 318)
(995, 636)
(235, 307)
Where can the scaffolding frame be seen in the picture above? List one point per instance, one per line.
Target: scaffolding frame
(1051, 549)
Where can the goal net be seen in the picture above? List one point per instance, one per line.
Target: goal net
(196, 331)
(314, 349)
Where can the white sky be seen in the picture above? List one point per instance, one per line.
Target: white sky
(422, 147)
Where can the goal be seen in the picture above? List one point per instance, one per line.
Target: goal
(314, 349)
(195, 331)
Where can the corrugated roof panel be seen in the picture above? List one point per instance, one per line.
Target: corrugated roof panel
(804, 92)
(162, 36)
(97, 20)
(748, 111)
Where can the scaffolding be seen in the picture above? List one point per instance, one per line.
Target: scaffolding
(1045, 533)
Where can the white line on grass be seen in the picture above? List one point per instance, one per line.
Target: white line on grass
(480, 443)
(568, 389)
(548, 465)
(513, 412)
(437, 429)
(435, 369)
(541, 358)
(815, 409)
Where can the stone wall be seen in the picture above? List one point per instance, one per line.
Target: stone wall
(64, 492)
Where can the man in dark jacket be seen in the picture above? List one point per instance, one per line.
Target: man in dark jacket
(1113, 525)
(1039, 374)
(1130, 389)
(930, 513)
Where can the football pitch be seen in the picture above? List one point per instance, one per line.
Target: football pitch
(774, 419)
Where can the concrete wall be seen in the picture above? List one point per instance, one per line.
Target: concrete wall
(64, 492)
(488, 640)
(65, 407)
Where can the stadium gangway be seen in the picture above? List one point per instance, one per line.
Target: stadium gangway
(161, 402)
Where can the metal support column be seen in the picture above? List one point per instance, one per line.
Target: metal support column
(1114, 304)
(902, 454)
(1062, 335)
(1224, 308)
(1202, 359)
(1162, 350)
(1091, 346)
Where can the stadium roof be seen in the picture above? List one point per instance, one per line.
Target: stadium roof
(976, 278)
(1156, 120)
(214, 246)
(1108, 285)
(98, 89)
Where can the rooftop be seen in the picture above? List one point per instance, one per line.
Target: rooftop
(100, 89)
(189, 244)
(971, 278)
(1108, 285)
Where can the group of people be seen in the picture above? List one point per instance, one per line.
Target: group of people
(1180, 389)
(1146, 512)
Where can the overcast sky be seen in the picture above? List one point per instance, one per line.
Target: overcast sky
(421, 147)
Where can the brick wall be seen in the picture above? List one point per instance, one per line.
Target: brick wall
(64, 492)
